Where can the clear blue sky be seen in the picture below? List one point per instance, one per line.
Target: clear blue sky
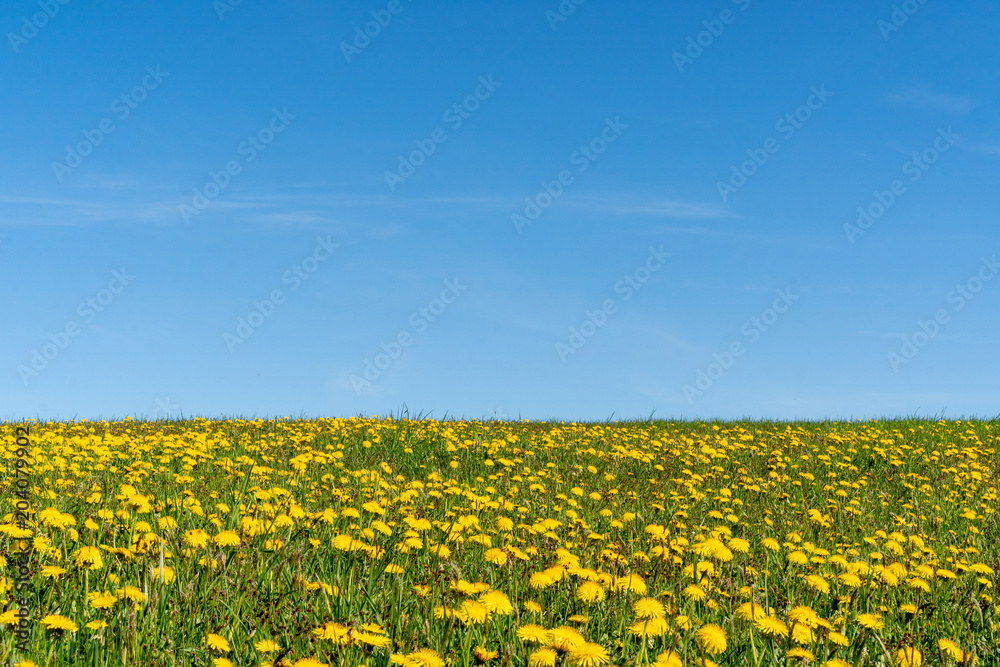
(554, 211)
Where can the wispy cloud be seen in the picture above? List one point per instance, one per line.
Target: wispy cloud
(304, 207)
(989, 150)
(924, 98)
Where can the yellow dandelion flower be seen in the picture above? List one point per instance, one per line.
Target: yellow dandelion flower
(909, 656)
(267, 646)
(533, 634)
(590, 592)
(799, 653)
(589, 655)
(669, 659)
(711, 638)
(495, 556)
(772, 626)
(217, 643)
(647, 608)
(59, 623)
(227, 538)
(89, 557)
(871, 621)
(652, 627)
(564, 638)
(496, 602)
(543, 657)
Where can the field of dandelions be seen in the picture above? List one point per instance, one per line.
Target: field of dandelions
(427, 543)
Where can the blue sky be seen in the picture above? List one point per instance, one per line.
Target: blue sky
(516, 210)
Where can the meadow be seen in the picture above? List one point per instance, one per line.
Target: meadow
(426, 543)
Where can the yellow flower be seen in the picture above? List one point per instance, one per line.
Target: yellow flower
(495, 556)
(227, 538)
(496, 602)
(800, 653)
(533, 634)
(694, 592)
(59, 623)
(97, 625)
(543, 657)
(221, 662)
(653, 627)
(818, 583)
(772, 626)
(590, 592)
(105, 600)
(196, 539)
(533, 607)
(909, 657)
(267, 646)
(632, 582)
(647, 608)
(589, 655)
(217, 643)
(711, 638)
(956, 652)
(871, 621)
(53, 571)
(565, 638)
(837, 638)
(669, 659)
(750, 611)
(89, 557)
(483, 654)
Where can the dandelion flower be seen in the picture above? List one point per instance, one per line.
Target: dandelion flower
(711, 638)
(89, 557)
(772, 626)
(800, 653)
(495, 556)
(647, 608)
(589, 655)
(59, 623)
(543, 657)
(217, 643)
(534, 634)
(590, 592)
(266, 646)
(497, 603)
(227, 538)
(909, 656)
(871, 621)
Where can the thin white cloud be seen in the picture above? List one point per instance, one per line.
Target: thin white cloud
(924, 98)
(317, 207)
